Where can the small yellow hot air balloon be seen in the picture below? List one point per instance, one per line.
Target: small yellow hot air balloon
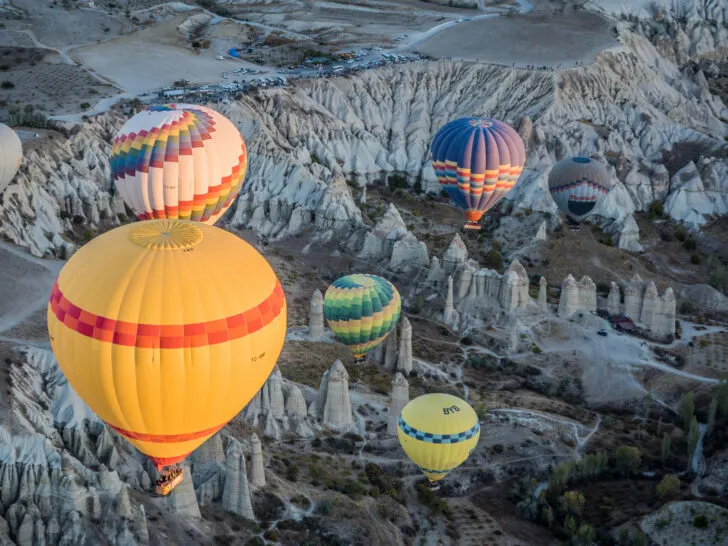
(167, 329)
(437, 432)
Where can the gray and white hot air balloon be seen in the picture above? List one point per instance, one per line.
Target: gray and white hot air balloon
(11, 154)
(577, 186)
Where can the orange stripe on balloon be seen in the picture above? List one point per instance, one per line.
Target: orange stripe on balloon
(165, 438)
(175, 336)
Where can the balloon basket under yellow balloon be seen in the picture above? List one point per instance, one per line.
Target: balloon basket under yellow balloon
(433, 486)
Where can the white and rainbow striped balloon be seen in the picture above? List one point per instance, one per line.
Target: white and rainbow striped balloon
(179, 161)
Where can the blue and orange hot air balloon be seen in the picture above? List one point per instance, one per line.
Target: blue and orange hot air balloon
(179, 161)
(477, 161)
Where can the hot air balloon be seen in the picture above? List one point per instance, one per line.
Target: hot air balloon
(167, 329)
(362, 310)
(11, 154)
(477, 161)
(437, 432)
(179, 161)
(578, 185)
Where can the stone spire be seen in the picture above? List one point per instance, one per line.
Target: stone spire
(337, 410)
(466, 278)
(275, 394)
(404, 360)
(633, 297)
(182, 500)
(257, 474)
(541, 234)
(123, 507)
(650, 305)
(569, 297)
(587, 294)
(140, 526)
(542, 292)
(447, 315)
(296, 403)
(400, 397)
(455, 255)
(363, 196)
(434, 275)
(614, 300)
(236, 493)
(390, 350)
(316, 315)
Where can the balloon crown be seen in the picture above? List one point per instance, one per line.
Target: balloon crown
(481, 122)
(581, 160)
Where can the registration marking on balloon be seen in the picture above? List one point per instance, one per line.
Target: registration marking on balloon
(175, 336)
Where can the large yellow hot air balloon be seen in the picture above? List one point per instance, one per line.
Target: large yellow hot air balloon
(437, 432)
(179, 161)
(167, 329)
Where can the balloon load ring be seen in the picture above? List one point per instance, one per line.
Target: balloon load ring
(167, 234)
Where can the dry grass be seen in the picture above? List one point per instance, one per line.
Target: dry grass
(305, 362)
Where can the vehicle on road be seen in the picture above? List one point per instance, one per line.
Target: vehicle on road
(602, 333)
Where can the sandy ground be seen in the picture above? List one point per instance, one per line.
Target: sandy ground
(561, 40)
(56, 27)
(25, 285)
(153, 58)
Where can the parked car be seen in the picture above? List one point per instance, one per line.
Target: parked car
(602, 333)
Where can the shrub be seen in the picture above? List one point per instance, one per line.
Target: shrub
(397, 181)
(85, 105)
(498, 448)
(668, 485)
(656, 208)
(7, 84)
(681, 233)
(690, 244)
(701, 522)
(695, 259)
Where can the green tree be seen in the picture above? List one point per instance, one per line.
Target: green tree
(639, 539)
(648, 404)
(693, 437)
(687, 408)
(665, 447)
(585, 535)
(669, 485)
(628, 460)
(547, 515)
(721, 394)
(712, 411)
(572, 502)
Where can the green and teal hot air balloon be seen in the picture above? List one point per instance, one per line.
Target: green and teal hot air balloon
(362, 310)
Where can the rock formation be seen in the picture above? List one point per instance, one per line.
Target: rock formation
(629, 236)
(257, 473)
(541, 235)
(391, 239)
(337, 408)
(182, 501)
(513, 338)
(404, 356)
(274, 388)
(577, 296)
(644, 305)
(543, 292)
(400, 397)
(316, 315)
(447, 315)
(614, 300)
(236, 493)
(455, 255)
(390, 350)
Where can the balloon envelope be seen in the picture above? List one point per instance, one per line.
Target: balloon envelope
(437, 432)
(362, 310)
(166, 329)
(179, 161)
(577, 186)
(11, 154)
(477, 161)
